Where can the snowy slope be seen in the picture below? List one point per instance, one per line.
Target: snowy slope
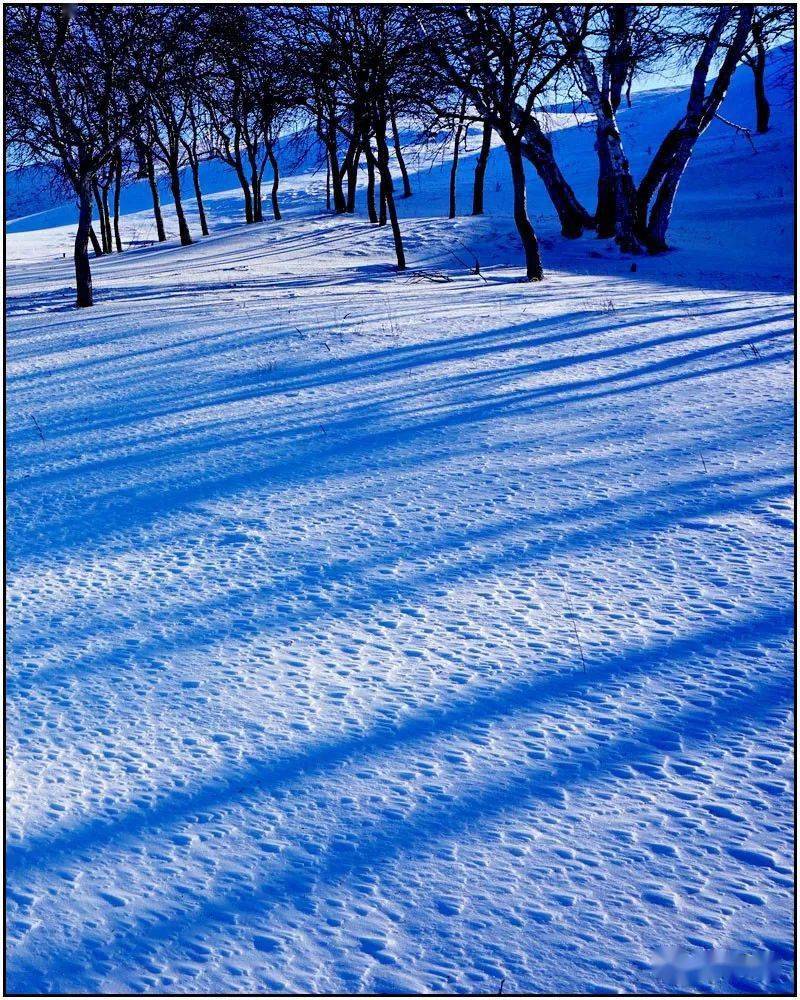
(367, 633)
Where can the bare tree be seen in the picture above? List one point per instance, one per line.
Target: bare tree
(656, 192)
(607, 45)
(62, 73)
(365, 66)
(771, 25)
(503, 58)
(196, 143)
(616, 188)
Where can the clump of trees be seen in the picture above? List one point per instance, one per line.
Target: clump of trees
(114, 93)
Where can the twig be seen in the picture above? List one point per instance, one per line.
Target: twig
(739, 128)
(38, 428)
(502, 983)
(575, 627)
(436, 276)
(476, 267)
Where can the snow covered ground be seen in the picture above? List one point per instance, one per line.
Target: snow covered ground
(367, 633)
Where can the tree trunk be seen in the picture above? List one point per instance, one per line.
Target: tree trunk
(353, 157)
(666, 169)
(83, 273)
(198, 194)
(107, 238)
(760, 92)
(98, 250)
(399, 153)
(175, 187)
(339, 200)
(373, 215)
(255, 187)
(327, 181)
(527, 234)
(101, 220)
(661, 212)
(381, 202)
(276, 179)
(258, 208)
(653, 176)
(117, 192)
(337, 176)
(454, 164)
(480, 169)
(99, 206)
(245, 186)
(617, 180)
(386, 188)
(604, 216)
(151, 180)
(619, 192)
(538, 148)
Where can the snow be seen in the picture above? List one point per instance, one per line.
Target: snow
(374, 634)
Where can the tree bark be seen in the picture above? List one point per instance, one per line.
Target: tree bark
(351, 171)
(337, 173)
(527, 234)
(616, 188)
(276, 180)
(101, 218)
(107, 238)
(617, 180)
(98, 250)
(337, 186)
(258, 207)
(538, 149)
(399, 154)
(175, 187)
(760, 92)
(454, 164)
(617, 67)
(255, 187)
(117, 193)
(663, 176)
(327, 181)
(381, 202)
(480, 169)
(661, 211)
(604, 216)
(151, 180)
(388, 193)
(83, 273)
(370, 158)
(99, 206)
(198, 194)
(653, 176)
(248, 198)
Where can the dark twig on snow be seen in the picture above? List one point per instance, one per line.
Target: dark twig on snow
(38, 428)
(476, 267)
(436, 276)
(575, 627)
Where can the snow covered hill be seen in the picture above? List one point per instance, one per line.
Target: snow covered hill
(370, 633)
